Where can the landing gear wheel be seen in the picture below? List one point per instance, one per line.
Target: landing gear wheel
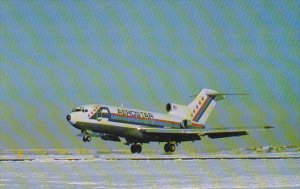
(86, 138)
(172, 148)
(136, 148)
(133, 148)
(169, 147)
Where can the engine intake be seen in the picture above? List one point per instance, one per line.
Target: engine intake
(169, 107)
(185, 124)
(177, 109)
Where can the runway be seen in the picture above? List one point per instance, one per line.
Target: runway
(121, 169)
(145, 157)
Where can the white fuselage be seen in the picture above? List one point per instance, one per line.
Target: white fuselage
(119, 120)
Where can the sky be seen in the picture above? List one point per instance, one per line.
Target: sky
(56, 55)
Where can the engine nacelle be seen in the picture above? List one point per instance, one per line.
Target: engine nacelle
(169, 107)
(177, 109)
(185, 124)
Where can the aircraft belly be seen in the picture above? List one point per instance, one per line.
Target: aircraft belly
(95, 127)
(115, 130)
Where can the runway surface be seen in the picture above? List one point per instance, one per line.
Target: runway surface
(82, 154)
(124, 170)
(143, 158)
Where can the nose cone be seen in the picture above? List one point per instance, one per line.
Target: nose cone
(71, 118)
(68, 117)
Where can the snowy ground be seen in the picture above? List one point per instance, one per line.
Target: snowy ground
(118, 169)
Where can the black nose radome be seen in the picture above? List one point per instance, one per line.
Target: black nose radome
(68, 117)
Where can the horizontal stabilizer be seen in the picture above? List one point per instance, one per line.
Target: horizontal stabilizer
(221, 96)
(230, 94)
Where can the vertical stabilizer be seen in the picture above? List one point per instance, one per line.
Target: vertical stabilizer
(201, 107)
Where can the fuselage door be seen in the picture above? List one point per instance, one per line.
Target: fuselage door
(103, 113)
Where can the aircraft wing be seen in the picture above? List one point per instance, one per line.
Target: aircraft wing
(211, 133)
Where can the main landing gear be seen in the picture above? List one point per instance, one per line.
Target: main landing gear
(169, 147)
(86, 138)
(136, 148)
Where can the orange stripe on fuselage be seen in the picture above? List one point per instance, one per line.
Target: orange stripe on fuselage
(198, 125)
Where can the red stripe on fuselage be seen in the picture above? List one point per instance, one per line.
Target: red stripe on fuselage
(198, 125)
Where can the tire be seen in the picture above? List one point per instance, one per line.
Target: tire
(167, 148)
(172, 148)
(88, 138)
(138, 148)
(133, 148)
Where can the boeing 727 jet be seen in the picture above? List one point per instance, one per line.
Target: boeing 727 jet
(181, 123)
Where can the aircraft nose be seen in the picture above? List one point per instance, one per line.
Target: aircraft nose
(68, 117)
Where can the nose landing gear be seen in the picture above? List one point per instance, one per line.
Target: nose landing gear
(136, 148)
(86, 138)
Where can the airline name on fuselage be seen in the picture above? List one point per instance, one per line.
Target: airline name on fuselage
(135, 113)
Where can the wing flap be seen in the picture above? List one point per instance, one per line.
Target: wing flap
(226, 134)
(171, 131)
(201, 132)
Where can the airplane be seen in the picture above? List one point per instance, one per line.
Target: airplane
(181, 123)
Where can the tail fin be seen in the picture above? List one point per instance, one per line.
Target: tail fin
(201, 107)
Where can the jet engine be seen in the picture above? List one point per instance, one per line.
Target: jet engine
(185, 124)
(177, 109)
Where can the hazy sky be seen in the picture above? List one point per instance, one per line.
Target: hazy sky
(55, 55)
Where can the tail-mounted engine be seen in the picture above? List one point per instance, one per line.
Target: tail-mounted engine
(177, 109)
(186, 124)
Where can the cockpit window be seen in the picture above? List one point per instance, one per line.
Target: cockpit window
(77, 110)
